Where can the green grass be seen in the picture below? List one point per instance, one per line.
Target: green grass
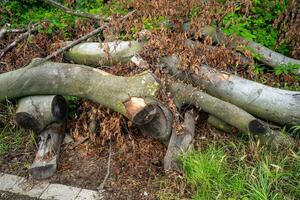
(234, 171)
(12, 138)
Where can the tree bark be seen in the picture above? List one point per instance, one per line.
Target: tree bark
(101, 54)
(276, 105)
(37, 112)
(180, 142)
(51, 78)
(219, 124)
(229, 113)
(47, 157)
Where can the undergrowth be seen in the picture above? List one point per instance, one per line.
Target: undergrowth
(231, 171)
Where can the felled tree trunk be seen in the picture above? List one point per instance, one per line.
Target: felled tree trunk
(46, 159)
(36, 112)
(130, 96)
(276, 105)
(79, 80)
(229, 113)
(180, 142)
(264, 54)
(101, 54)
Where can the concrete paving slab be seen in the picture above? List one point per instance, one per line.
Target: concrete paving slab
(30, 187)
(89, 195)
(60, 192)
(7, 181)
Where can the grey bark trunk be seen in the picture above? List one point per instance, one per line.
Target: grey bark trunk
(78, 80)
(229, 113)
(276, 105)
(37, 112)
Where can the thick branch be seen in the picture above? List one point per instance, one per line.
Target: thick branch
(97, 54)
(277, 105)
(78, 80)
(229, 113)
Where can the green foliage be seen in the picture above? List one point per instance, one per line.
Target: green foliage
(286, 69)
(73, 104)
(258, 24)
(231, 171)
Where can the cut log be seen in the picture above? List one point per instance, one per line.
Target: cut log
(155, 121)
(101, 54)
(219, 124)
(276, 105)
(180, 142)
(37, 112)
(229, 113)
(46, 159)
(263, 54)
(51, 78)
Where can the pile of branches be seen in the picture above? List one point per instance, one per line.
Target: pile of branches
(181, 67)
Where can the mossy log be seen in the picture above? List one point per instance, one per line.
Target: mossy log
(273, 104)
(262, 53)
(47, 156)
(229, 113)
(36, 112)
(102, 54)
(180, 142)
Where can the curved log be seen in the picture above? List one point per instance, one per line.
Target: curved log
(265, 55)
(78, 80)
(36, 112)
(99, 54)
(229, 113)
(277, 105)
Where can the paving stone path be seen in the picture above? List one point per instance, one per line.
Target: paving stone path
(44, 190)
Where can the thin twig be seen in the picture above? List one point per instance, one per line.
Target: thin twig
(75, 42)
(76, 13)
(16, 41)
(100, 188)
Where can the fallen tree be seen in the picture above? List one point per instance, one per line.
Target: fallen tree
(276, 105)
(132, 97)
(229, 113)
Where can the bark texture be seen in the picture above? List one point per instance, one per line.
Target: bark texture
(47, 157)
(101, 54)
(37, 112)
(276, 105)
(180, 142)
(219, 124)
(51, 78)
(229, 113)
